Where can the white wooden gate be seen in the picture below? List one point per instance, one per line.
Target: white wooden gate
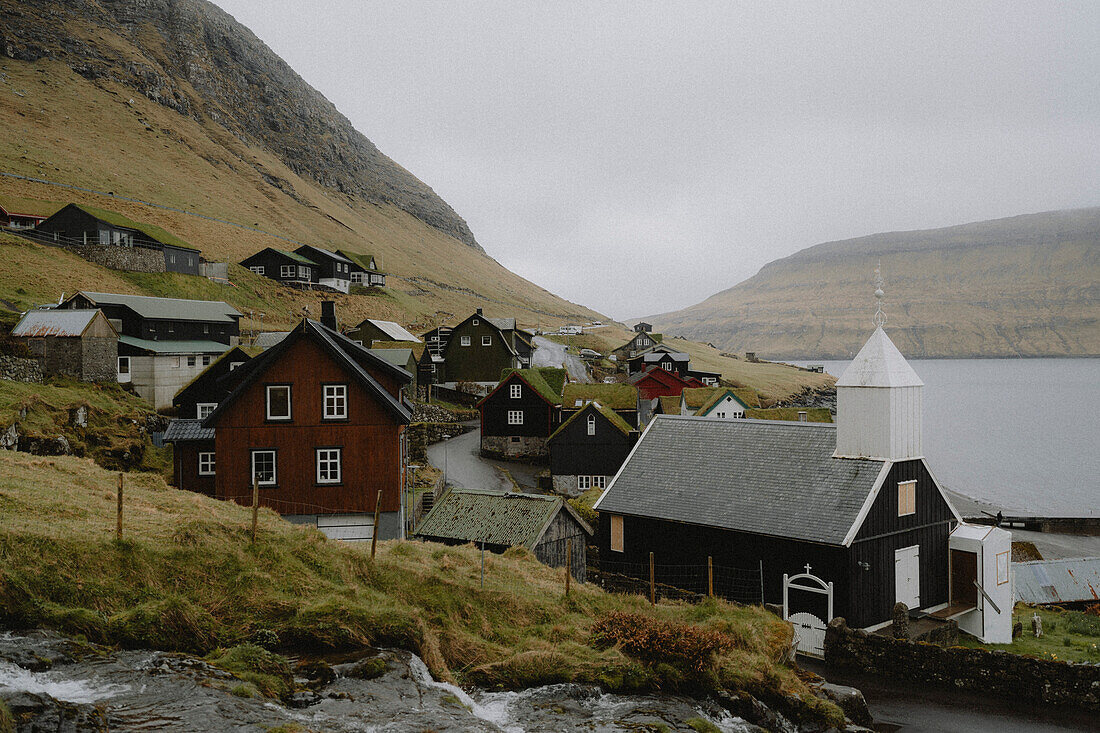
(809, 630)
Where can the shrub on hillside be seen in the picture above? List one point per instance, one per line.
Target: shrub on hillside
(684, 646)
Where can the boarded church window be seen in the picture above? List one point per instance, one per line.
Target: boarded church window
(616, 533)
(907, 498)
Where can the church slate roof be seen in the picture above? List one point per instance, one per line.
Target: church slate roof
(758, 476)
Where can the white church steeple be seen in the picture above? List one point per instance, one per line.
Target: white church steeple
(878, 400)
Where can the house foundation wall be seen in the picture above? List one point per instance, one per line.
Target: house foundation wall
(521, 447)
(131, 259)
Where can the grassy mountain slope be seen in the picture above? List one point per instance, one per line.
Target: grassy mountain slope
(101, 134)
(1021, 286)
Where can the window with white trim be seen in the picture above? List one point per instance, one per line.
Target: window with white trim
(303, 272)
(123, 365)
(585, 483)
(206, 360)
(286, 270)
(328, 466)
(616, 533)
(336, 401)
(591, 424)
(202, 409)
(263, 467)
(486, 340)
(234, 364)
(515, 417)
(475, 322)
(357, 278)
(206, 464)
(516, 391)
(258, 269)
(464, 341)
(907, 498)
(278, 402)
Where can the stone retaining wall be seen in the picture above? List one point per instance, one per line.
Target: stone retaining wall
(528, 448)
(992, 672)
(16, 369)
(423, 434)
(132, 259)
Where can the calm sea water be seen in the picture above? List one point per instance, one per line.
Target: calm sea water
(1020, 433)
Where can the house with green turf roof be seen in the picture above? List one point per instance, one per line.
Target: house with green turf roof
(289, 268)
(18, 212)
(723, 403)
(588, 448)
(622, 398)
(639, 342)
(496, 521)
(91, 228)
(365, 269)
(520, 414)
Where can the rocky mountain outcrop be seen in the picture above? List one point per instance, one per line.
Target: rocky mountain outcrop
(1021, 286)
(194, 58)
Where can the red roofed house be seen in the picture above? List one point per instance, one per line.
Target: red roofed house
(657, 382)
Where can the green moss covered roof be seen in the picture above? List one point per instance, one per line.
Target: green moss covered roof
(416, 346)
(615, 396)
(546, 381)
(30, 207)
(361, 260)
(813, 414)
(150, 230)
(612, 417)
(696, 397)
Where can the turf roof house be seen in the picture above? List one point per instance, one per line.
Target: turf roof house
(364, 269)
(320, 422)
(333, 269)
(589, 448)
(854, 501)
(82, 225)
(622, 398)
(75, 343)
(163, 343)
(520, 414)
(17, 212)
(639, 342)
(289, 268)
(545, 525)
(721, 403)
(479, 349)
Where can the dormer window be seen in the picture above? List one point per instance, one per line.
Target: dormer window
(278, 402)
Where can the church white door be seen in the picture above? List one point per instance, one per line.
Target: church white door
(907, 576)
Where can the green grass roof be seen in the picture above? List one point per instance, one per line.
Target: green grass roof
(416, 346)
(696, 397)
(670, 404)
(150, 230)
(615, 396)
(361, 260)
(294, 256)
(546, 381)
(31, 207)
(813, 414)
(612, 417)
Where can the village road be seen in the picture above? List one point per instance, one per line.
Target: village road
(466, 468)
(552, 354)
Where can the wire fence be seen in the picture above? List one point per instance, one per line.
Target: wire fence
(680, 581)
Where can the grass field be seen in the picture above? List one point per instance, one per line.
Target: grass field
(185, 577)
(1069, 636)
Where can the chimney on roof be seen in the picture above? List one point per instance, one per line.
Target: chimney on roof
(328, 314)
(801, 416)
(479, 311)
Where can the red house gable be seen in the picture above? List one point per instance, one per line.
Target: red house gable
(656, 382)
(342, 441)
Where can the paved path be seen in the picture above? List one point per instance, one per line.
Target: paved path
(552, 354)
(466, 468)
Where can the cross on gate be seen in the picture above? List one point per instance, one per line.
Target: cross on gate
(807, 568)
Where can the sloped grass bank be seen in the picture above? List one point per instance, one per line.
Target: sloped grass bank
(185, 577)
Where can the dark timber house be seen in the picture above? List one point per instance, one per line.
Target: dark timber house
(520, 414)
(371, 330)
(479, 349)
(364, 270)
(75, 343)
(546, 525)
(201, 395)
(320, 422)
(855, 501)
(82, 225)
(588, 449)
(671, 361)
(333, 269)
(641, 341)
(622, 398)
(289, 268)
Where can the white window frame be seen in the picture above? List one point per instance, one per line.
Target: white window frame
(287, 271)
(289, 403)
(907, 498)
(584, 483)
(123, 360)
(486, 340)
(600, 482)
(464, 341)
(591, 424)
(234, 364)
(515, 390)
(338, 393)
(202, 409)
(274, 465)
(258, 269)
(326, 460)
(192, 361)
(515, 417)
(207, 464)
(475, 322)
(206, 360)
(357, 278)
(303, 272)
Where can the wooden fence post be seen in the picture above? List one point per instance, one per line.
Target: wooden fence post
(710, 576)
(255, 506)
(118, 527)
(374, 532)
(652, 582)
(568, 563)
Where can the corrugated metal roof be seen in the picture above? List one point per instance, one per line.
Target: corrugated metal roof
(174, 347)
(1057, 581)
(759, 476)
(395, 331)
(475, 515)
(53, 322)
(185, 430)
(176, 309)
(879, 364)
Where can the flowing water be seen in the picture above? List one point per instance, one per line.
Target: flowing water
(1022, 434)
(145, 691)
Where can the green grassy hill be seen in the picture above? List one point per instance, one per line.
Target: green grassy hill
(185, 577)
(1022, 286)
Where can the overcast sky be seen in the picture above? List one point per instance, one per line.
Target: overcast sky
(637, 157)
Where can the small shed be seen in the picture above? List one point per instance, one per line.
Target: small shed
(980, 585)
(546, 525)
(76, 343)
(372, 329)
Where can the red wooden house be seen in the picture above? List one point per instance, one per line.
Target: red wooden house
(657, 382)
(320, 421)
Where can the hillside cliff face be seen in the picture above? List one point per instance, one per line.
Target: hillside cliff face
(1021, 286)
(194, 58)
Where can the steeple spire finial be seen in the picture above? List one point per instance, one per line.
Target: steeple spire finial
(879, 318)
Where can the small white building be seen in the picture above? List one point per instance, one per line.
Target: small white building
(981, 582)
